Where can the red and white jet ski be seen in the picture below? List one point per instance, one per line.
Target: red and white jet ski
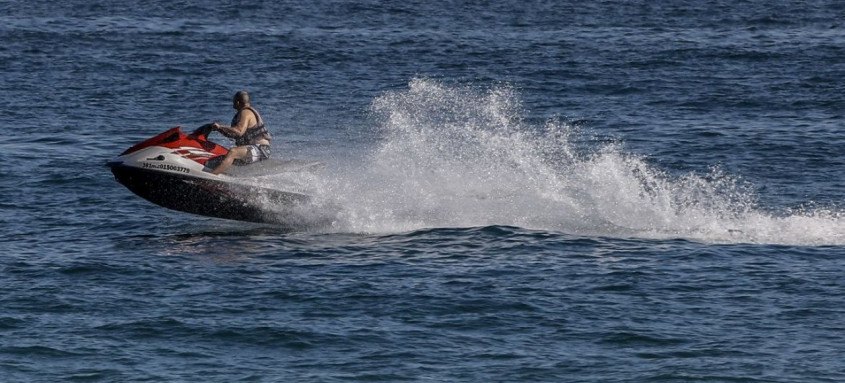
(172, 170)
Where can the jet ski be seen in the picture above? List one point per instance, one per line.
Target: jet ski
(173, 170)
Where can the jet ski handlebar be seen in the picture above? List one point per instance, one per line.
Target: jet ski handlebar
(203, 131)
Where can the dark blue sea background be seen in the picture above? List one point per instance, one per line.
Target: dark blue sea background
(536, 191)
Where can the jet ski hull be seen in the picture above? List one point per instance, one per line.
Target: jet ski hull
(206, 197)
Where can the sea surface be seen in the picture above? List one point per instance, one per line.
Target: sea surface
(536, 191)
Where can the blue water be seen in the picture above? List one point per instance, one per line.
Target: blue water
(551, 191)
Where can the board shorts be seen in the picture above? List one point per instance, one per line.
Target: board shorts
(256, 153)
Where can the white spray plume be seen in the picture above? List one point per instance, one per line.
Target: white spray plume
(456, 156)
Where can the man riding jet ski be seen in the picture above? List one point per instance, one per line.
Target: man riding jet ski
(183, 171)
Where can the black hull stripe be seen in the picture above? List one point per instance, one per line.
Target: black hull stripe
(210, 198)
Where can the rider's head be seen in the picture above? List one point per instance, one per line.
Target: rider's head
(241, 100)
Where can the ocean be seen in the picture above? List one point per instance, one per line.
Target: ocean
(544, 191)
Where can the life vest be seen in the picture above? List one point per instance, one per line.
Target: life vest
(252, 133)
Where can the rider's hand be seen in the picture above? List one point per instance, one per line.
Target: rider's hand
(215, 126)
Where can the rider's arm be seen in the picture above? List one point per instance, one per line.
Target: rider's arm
(236, 130)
